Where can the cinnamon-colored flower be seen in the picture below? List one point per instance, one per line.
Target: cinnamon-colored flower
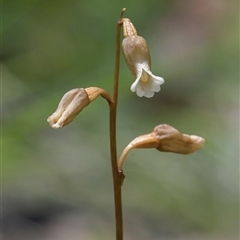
(70, 105)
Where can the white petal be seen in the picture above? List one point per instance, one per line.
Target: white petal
(160, 80)
(134, 85)
(149, 94)
(156, 79)
(140, 91)
(155, 86)
(146, 87)
(146, 83)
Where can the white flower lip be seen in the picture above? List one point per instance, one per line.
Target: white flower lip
(146, 83)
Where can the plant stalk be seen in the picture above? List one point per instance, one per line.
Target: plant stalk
(117, 178)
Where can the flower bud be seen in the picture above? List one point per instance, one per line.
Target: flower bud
(164, 138)
(171, 140)
(70, 105)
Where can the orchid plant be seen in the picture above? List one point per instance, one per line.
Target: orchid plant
(164, 137)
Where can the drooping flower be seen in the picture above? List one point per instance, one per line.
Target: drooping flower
(73, 102)
(70, 105)
(164, 138)
(138, 59)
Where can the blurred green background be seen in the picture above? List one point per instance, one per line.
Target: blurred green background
(57, 184)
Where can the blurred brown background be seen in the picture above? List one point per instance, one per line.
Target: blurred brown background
(56, 184)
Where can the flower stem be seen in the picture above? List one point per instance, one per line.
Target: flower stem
(117, 179)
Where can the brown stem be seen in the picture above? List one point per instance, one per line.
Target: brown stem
(94, 92)
(144, 141)
(117, 178)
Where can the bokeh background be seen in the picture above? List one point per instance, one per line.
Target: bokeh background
(57, 184)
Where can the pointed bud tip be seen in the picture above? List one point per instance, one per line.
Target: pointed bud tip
(128, 28)
(198, 141)
(53, 122)
(56, 126)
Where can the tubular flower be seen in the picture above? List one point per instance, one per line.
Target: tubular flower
(138, 59)
(73, 102)
(70, 105)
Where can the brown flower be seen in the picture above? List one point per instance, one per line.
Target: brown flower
(164, 138)
(70, 105)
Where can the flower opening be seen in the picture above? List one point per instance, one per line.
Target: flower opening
(146, 83)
